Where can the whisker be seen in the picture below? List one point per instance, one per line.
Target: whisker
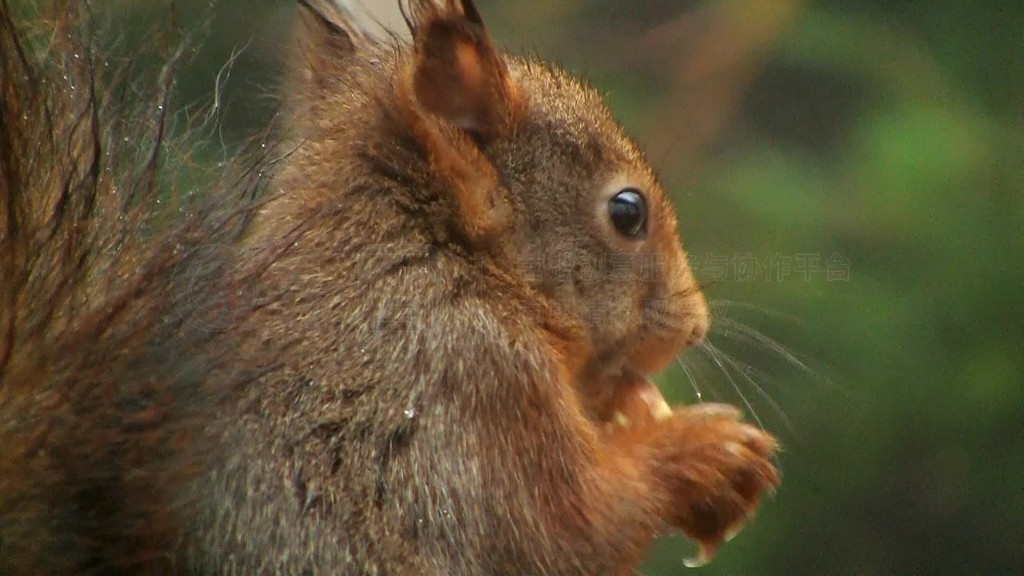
(689, 376)
(723, 304)
(706, 286)
(743, 370)
(748, 334)
(734, 327)
(685, 292)
(711, 350)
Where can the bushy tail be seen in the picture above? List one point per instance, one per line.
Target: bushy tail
(99, 274)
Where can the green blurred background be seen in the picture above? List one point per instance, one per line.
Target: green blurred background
(850, 183)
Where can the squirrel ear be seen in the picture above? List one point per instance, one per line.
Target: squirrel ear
(458, 75)
(331, 34)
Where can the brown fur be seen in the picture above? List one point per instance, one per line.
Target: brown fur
(437, 313)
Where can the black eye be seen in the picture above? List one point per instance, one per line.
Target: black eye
(628, 211)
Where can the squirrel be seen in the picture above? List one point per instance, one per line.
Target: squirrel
(411, 334)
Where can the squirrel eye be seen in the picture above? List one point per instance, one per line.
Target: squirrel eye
(628, 211)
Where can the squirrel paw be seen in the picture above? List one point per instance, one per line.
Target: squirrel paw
(714, 468)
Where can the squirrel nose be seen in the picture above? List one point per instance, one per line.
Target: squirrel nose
(701, 324)
(700, 330)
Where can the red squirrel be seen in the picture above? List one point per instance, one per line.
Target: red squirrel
(412, 337)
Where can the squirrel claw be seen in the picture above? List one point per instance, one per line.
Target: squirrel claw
(705, 553)
(733, 532)
(707, 548)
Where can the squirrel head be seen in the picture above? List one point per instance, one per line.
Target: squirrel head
(537, 178)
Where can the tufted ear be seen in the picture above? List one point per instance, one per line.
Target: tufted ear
(329, 36)
(458, 75)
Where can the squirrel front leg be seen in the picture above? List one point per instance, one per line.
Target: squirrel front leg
(698, 469)
(707, 468)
